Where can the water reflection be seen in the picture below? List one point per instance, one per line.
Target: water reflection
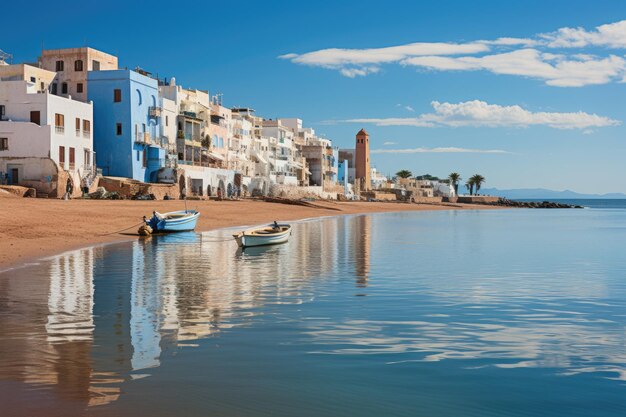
(87, 324)
(80, 326)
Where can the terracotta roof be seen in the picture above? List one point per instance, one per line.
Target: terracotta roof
(362, 132)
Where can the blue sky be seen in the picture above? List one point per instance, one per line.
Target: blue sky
(546, 108)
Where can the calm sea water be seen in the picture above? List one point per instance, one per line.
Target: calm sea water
(473, 313)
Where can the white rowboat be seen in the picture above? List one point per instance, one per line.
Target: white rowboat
(268, 235)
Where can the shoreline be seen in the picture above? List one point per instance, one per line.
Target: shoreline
(33, 229)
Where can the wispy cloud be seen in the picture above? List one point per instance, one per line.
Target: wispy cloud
(478, 113)
(407, 108)
(388, 143)
(526, 57)
(555, 70)
(438, 150)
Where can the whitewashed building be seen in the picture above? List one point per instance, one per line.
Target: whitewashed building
(42, 135)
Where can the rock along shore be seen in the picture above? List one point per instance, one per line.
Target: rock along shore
(505, 202)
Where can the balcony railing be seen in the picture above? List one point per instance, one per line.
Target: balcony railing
(142, 137)
(154, 111)
(59, 129)
(77, 132)
(86, 134)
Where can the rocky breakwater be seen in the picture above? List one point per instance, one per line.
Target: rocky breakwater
(532, 204)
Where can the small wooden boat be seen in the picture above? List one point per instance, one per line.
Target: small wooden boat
(175, 221)
(268, 235)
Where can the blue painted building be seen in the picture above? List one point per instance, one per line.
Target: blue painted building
(126, 118)
(342, 175)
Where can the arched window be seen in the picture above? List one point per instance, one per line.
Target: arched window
(153, 101)
(138, 97)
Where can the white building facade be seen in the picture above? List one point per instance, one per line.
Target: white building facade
(42, 134)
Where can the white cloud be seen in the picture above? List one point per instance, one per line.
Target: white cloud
(478, 113)
(527, 57)
(438, 150)
(388, 143)
(556, 70)
(360, 72)
(612, 35)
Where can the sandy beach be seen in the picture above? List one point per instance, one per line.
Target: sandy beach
(36, 228)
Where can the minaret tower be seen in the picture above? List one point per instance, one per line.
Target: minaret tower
(362, 163)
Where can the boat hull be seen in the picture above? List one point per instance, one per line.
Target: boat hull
(178, 221)
(248, 238)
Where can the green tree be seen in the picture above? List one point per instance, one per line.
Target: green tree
(478, 180)
(469, 185)
(454, 179)
(405, 173)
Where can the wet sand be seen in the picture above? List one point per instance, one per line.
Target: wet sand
(36, 228)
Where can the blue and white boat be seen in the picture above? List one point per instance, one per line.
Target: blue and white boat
(269, 235)
(175, 221)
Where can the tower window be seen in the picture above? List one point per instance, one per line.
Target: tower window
(117, 95)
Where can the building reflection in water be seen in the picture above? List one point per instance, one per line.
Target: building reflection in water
(108, 315)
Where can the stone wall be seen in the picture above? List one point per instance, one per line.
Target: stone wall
(427, 200)
(128, 188)
(296, 192)
(477, 199)
(378, 195)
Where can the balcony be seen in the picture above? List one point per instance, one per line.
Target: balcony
(142, 138)
(154, 112)
(60, 130)
(77, 133)
(86, 134)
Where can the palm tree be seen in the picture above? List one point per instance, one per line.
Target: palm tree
(405, 173)
(469, 185)
(454, 178)
(478, 181)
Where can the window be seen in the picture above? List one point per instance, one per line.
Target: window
(167, 121)
(95, 65)
(138, 155)
(78, 65)
(33, 79)
(87, 157)
(35, 117)
(59, 123)
(86, 126)
(145, 157)
(53, 89)
(77, 126)
(118, 129)
(117, 95)
(2, 111)
(72, 158)
(79, 87)
(62, 156)
(138, 97)
(64, 88)
(59, 65)
(4, 144)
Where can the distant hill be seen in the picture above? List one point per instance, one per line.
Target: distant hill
(542, 193)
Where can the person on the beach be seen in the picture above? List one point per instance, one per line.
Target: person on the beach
(69, 188)
(85, 186)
